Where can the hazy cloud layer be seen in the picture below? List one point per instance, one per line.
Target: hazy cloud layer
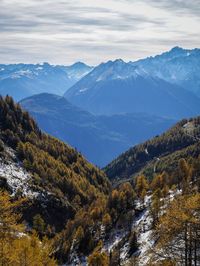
(64, 31)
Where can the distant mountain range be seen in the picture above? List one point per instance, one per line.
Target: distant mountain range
(178, 66)
(117, 87)
(99, 138)
(23, 80)
(110, 107)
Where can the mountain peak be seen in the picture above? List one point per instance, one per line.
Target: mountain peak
(78, 65)
(117, 69)
(119, 60)
(176, 49)
(46, 64)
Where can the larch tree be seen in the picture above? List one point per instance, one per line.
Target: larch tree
(141, 185)
(178, 230)
(17, 247)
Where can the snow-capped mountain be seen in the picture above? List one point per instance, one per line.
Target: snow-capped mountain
(113, 70)
(22, 80)
(179, 66)
(77, 70)
(119, 87)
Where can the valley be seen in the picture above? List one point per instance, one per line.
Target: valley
(100, 166)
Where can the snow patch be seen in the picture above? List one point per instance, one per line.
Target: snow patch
(82, 90)
(39, 68)
(17, 178)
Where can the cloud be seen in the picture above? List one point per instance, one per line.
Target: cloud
(65, 31)
(179, 6)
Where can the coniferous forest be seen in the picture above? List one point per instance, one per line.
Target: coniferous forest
(99, 133)
(72, 210)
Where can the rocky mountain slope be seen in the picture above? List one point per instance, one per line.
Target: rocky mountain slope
(118, 87)
(178, 66)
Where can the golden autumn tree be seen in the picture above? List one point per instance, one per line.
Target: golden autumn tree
(178, 230)
(16, 246)
(156, 205)
(185, 172)
(141, 186)
(98, 257)
(159, 181)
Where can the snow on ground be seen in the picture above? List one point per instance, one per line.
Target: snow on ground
(17, 177)
(115, 237)
(145, 238)
(142, 225)
(83, 90)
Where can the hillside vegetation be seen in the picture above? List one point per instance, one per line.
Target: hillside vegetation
(160, 153)
(58, 171)
(66, 198)
(57, 207)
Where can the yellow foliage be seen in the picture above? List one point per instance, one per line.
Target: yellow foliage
(178, 230)
(141, 185)
(98, 257)
(107, 219)
(16, 247)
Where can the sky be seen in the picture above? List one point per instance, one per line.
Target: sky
(94, 31)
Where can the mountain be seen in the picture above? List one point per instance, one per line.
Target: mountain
(118, 87)
(99, 138)
(54, 168)
(159, 154)
(23, 80)
(57, 205)
(77, 71)
(178, 66)
(54, 183)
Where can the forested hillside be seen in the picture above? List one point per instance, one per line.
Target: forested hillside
(51, 197)
(59, 181)
(48, 157)
(160, 153)
(64, 198)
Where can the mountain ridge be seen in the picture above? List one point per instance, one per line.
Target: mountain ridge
(118, 87)
(179, 66)
(104, 137)
(160, 153)
(23, 80)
